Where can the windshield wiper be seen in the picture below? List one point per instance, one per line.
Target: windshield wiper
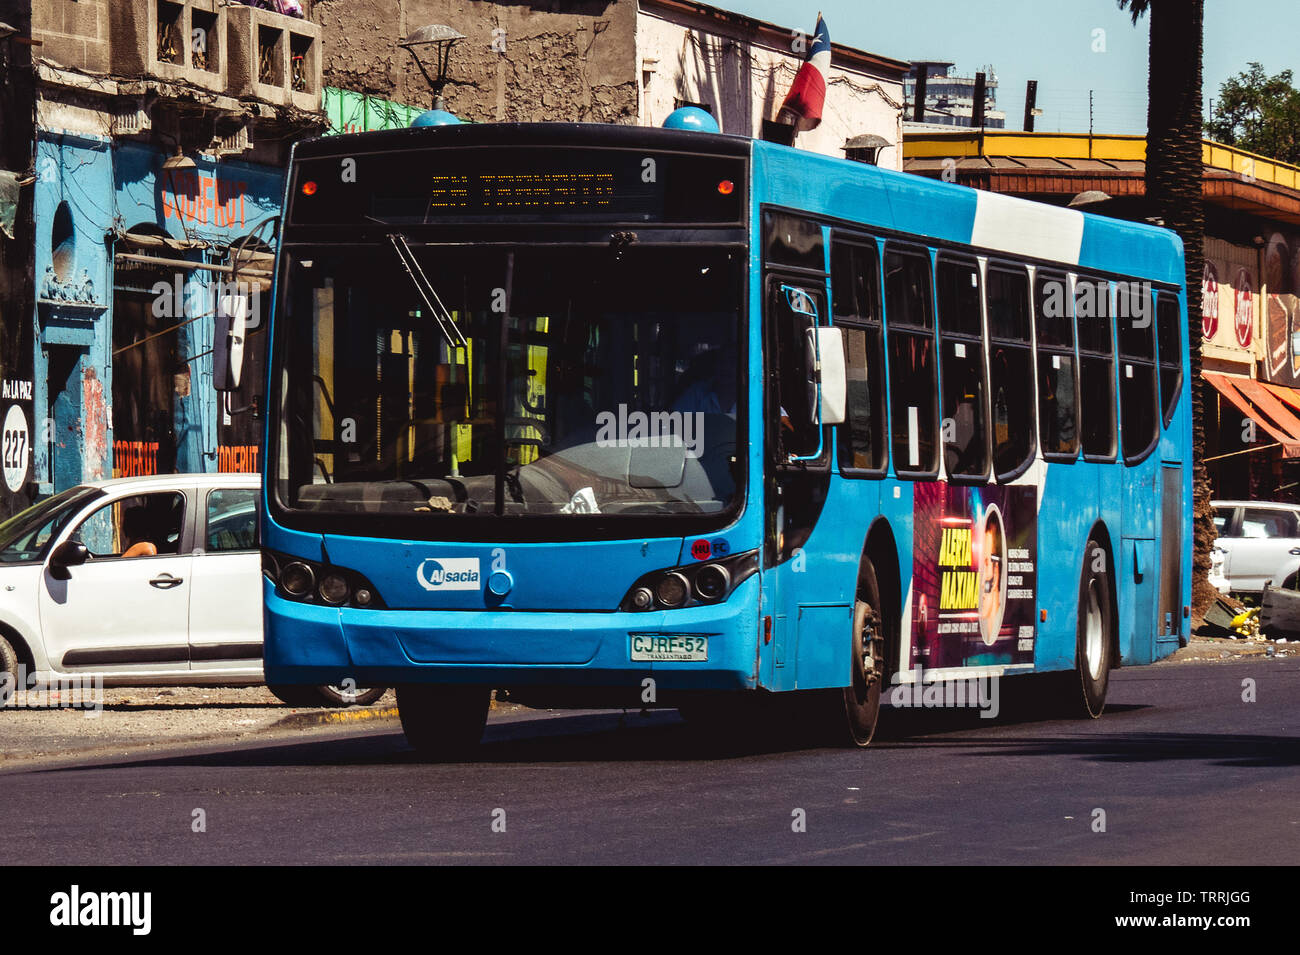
(441, 317)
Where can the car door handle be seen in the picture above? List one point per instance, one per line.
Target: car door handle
(166, 581)
(1294, 552)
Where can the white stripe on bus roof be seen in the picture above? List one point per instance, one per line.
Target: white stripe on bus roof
(1027, 228)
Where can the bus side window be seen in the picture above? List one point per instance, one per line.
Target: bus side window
(789, 317)
(1135, 314)
(913, 372)
(1169, 318)
(965, 435)
(1011, 370)
(1096, 366)
(855, 287)
(1058, 381)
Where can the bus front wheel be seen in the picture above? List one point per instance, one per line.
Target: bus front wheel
(443, 722)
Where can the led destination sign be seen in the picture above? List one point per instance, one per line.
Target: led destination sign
(517, 184)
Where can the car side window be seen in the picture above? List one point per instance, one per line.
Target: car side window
(1267, 523)
(143, 525)
(1222, 518)
(231, 520)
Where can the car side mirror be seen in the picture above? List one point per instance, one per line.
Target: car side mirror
(68, 554)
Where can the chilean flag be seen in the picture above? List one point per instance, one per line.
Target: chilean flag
(803, 104)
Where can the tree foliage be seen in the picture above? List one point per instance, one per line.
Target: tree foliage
(1258, 113)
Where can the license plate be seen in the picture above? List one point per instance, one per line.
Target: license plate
(662, 648)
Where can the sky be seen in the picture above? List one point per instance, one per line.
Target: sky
(1053, 41)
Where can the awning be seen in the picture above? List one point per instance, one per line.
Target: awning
(1272, 407)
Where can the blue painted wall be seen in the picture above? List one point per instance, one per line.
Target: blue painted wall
(111, 188)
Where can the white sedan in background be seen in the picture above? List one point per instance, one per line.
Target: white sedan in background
(152, 581)
(1256, 543)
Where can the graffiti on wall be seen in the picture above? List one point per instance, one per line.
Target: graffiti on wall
(205, 200)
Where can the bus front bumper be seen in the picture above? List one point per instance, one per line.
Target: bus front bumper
(315, 644)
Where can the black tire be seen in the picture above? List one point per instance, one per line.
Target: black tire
(8, 672)
(860, 702)
(1095, 636)
(443, 722)
(296, 695)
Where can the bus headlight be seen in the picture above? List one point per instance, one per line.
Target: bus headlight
(313, 582)
(672, 590)
(691, 585)
(333, 589)
(712, 582)
(297, 579)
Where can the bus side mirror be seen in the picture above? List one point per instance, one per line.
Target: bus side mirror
(68, 554)
(228, 342)
(827, 378)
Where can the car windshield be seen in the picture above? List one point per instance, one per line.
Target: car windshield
(560, 381)
(25, 536)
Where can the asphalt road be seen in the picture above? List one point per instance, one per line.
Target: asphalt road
(1185, 771)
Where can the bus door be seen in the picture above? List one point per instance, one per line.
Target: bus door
(798, 479)
(1174, 506)
(1141, 496)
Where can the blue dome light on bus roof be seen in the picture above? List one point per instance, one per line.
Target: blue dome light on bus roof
(693, 118)
(436, 117)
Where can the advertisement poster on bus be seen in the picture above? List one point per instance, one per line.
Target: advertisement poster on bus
(974, 560)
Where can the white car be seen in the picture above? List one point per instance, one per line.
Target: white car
(141, 582)
(1258, 543)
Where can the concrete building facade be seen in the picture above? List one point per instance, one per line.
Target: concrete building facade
(146, 142)
(608, 61)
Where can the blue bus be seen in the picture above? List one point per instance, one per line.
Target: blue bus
(627, 415)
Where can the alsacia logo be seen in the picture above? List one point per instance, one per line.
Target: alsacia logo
(448, 573)
(74, 907)
(654, 429)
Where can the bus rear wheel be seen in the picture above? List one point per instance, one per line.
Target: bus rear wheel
(443, 722)
(861, 699)
(1096, 629)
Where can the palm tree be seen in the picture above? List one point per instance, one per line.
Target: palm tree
(1173, 192)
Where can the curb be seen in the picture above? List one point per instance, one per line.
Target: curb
(332, 718)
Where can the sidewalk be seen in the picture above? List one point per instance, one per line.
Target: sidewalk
(144, 718)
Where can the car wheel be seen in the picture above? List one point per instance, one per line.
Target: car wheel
(8, 671)
(443, 722)
(355, 696)
(317, 696)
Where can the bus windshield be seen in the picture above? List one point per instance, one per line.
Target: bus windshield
(564, 381)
